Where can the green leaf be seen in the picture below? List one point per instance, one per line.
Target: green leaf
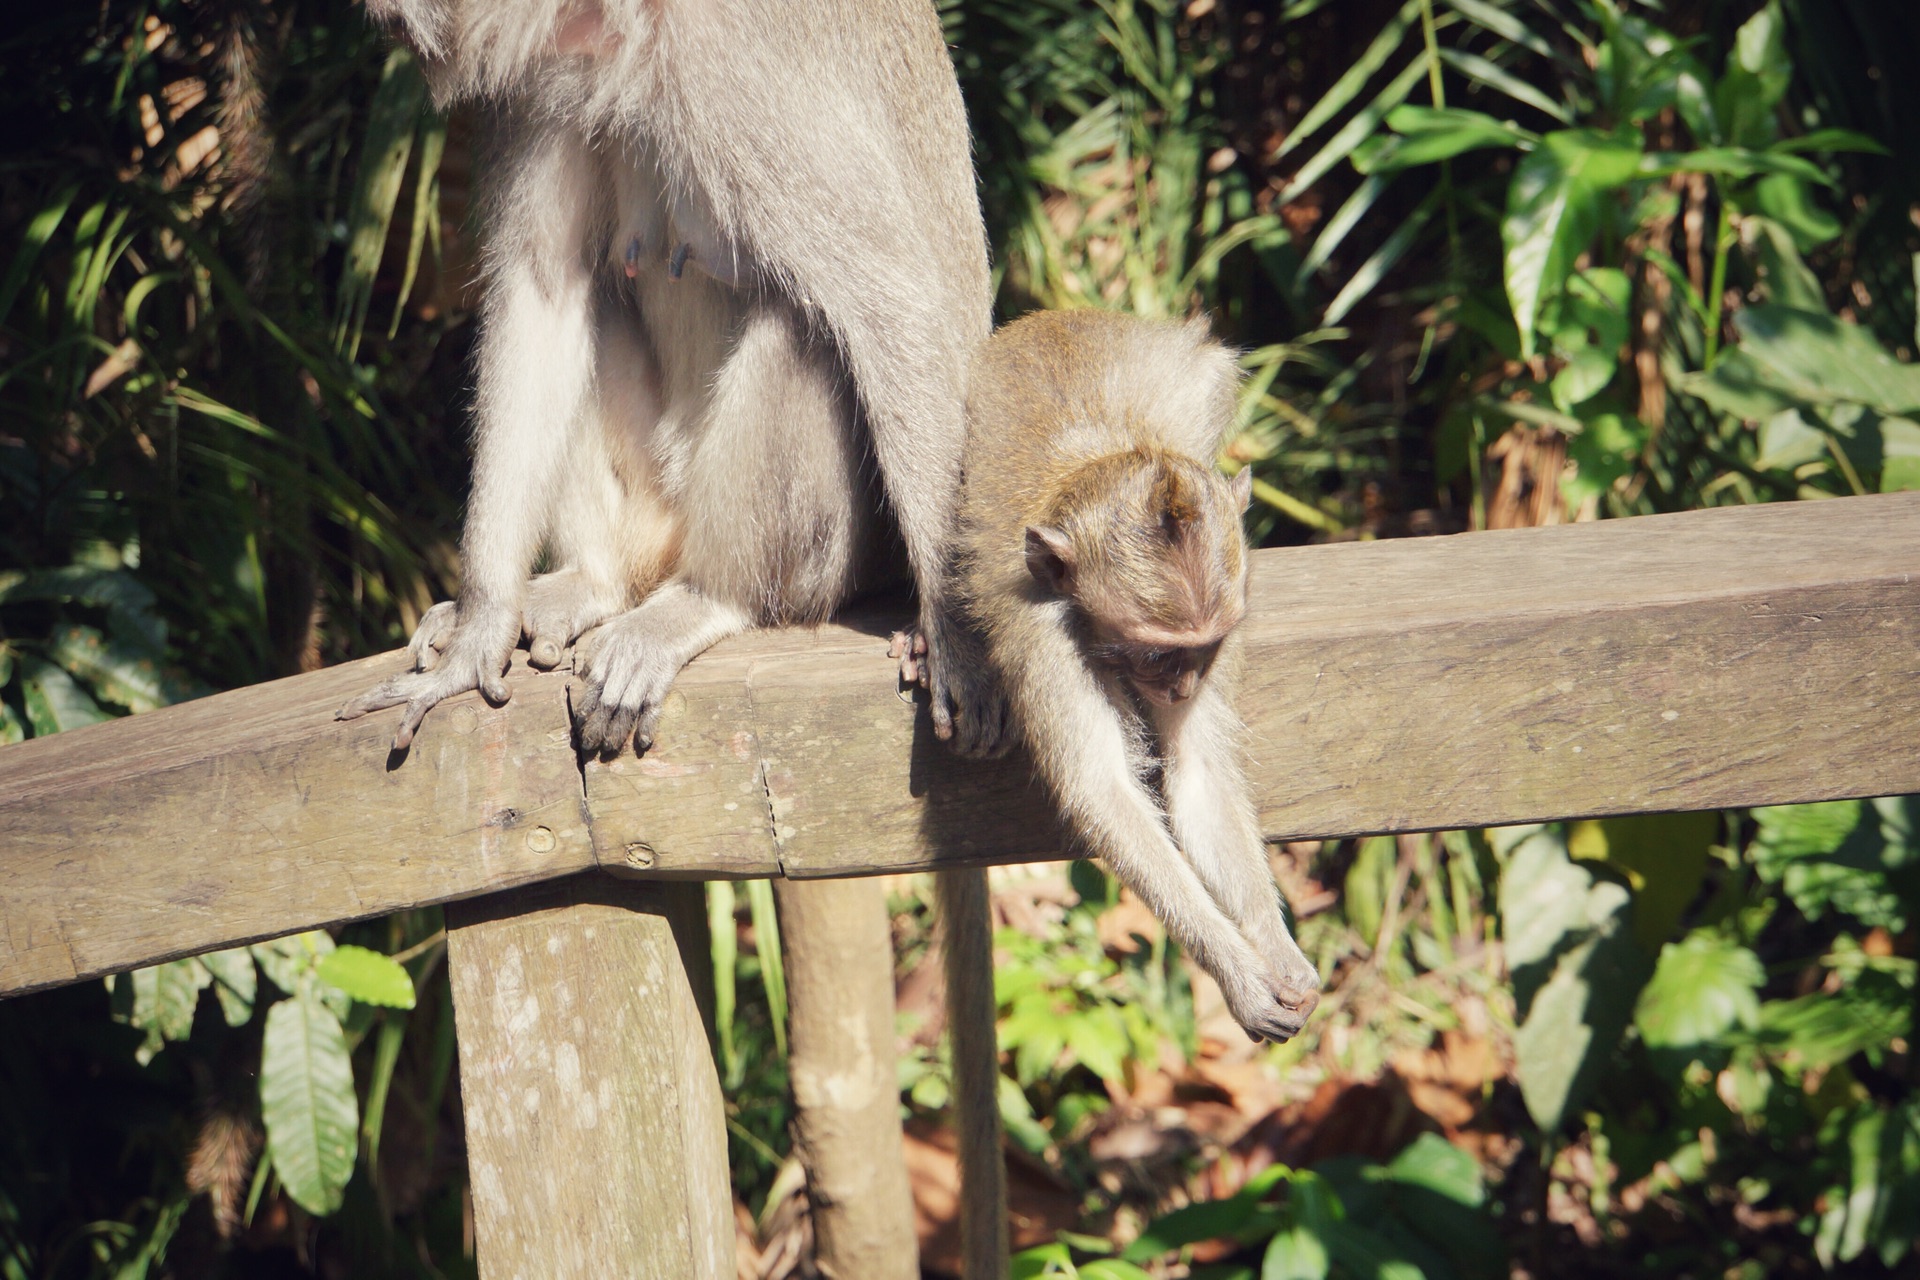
(235, 983)
(1111, 1269)
(1576, 972)
(284, 960)
(54, 702)
(1819, 359)
(1430, 1161)
(396, 111)
(1207, 1220)
(1354, 79)
(1553, 212)
(1703, 987)
(1789, 281)
(1606, 449)
(1430, 135)
(1663, 857)
(119, 672)
(1053, 1259)
(1295, 1254)
(367, 976)
(165, 997)
(1787, 201)
(1500, 80)
(1820, 1030)
(1758, 72)
(307, 1101)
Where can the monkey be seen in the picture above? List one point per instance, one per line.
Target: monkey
(734, 270)
(1100, 553)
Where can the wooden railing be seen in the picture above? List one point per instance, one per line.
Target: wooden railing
(1756, 655)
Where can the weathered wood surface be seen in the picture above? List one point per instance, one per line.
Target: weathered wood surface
(253, 813)
(596, 1130)
(837, 942)
(1738, 656)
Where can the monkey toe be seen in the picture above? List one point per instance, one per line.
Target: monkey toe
(544, 652)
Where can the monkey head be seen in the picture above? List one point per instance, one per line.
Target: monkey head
(1147, 547)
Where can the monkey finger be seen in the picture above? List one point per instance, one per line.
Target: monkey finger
(410, 722)
(379, 698)
(544, 652)
(494, 689)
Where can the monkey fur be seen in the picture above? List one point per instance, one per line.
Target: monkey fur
(1101, 554)
(734, 270)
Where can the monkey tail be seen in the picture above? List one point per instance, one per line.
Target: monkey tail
(967, 915)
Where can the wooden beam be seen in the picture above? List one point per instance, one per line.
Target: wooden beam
(596, 1131)
(1751, 655)
(253, 813)
(1737, 656)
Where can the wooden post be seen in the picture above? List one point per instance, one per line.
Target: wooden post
(846, 1093)
(596, 1139)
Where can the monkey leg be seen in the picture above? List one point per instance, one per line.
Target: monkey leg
(629, 664)
(535, 364)
(1217, 827)
(1081, 746)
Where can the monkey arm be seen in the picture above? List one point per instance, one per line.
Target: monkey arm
(1080, 745)
(1213, 818)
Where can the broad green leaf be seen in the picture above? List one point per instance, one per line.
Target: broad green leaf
(1111, 1269)
(1295, 1254)
(1877, 1207)
(1900, 455)
(235, 983)
(128, 601)
(1553, 212)
(1367, 884)
(1819, 359)
(1788, 280)
(1759, 69)
(1432, 1162)
(1800, 830)
(1663, 857)
(1832, 140)
(1576, 972)
(54, 702)
(1586, 373)
(307, 1101)
(1739, 385)
(283, 960)
(165, 997)
(1606, 449)
(367, 976)
(1041, 1261)
(1788, 440)
(117, 671)
(1703, 987)
(1099, 1040)
(1787, 200)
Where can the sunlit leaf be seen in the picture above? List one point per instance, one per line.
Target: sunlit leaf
(367, 976)
(1553, 212)
(1702, 987)
(307, 1101)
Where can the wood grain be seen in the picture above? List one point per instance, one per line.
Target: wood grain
(253, 813)
(596, 1131)
(1737, 656)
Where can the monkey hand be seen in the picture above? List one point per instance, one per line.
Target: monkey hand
(970, 709)
(450, 656)
(1271, 1006)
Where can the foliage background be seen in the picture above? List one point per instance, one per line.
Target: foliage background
(1492, 263)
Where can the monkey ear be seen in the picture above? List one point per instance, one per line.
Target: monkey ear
(1050, 559)
(1242, 484)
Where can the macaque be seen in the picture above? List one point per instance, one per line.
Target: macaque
(1101, 553)
(734, 270)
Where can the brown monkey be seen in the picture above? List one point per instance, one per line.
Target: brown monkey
(1102, 555)
(735, 269)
